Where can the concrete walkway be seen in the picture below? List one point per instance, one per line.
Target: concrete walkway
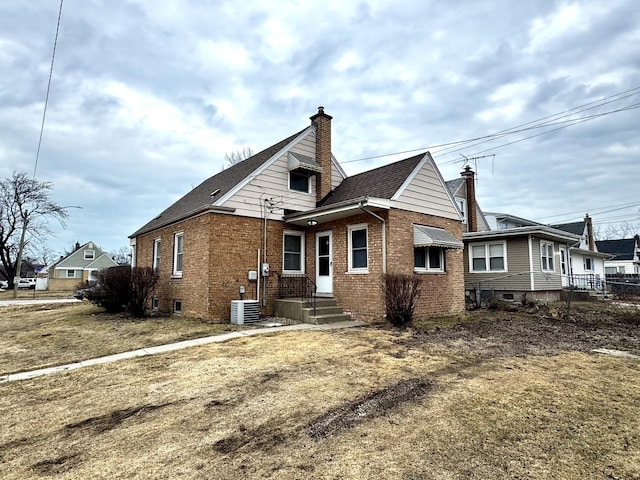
(142, 352)
(36, 301)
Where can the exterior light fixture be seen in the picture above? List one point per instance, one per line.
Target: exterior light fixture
(312, 222)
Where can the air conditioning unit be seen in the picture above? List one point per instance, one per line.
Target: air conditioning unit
(245, 311)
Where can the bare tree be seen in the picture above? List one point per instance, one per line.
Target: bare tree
(25, 211)
(236, 157)
(122, 256)
(618, 230)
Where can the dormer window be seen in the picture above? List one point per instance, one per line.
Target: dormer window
(299, 181)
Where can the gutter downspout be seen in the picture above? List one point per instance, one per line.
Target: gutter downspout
(384, 235)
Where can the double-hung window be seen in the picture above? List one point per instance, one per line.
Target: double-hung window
(299, 182)
(89, 254)
(156, 254)
(488, 257)
(428, 259)
(588, 264)
(358, 249)
(178, 253)
(546, 256)
(293, 252)
(462, 206)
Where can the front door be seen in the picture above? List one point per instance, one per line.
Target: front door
(563, 267)
(324, 263)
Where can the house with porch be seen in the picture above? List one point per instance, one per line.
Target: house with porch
(289, 219)
(586, 263)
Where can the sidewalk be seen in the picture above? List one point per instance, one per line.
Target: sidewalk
(142, 352)
(36, 301)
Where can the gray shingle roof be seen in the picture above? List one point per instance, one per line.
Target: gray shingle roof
(381, 182)
(621, 249)
(200, 197)
(577, 228)
(454, 185)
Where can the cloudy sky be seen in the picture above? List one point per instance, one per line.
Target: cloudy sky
(147, 97)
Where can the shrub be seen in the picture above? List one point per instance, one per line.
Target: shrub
(112, 292)
(124, 288)
(143, 284)
(401, 293)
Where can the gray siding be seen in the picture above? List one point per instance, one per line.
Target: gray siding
(545, 280)
(516, 278)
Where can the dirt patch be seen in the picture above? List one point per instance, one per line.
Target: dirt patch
(263, 438)
(539, 331)
(104, 423)
(376, 404)
(55, 466)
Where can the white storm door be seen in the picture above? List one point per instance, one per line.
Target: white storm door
(324, 263)
(563, 268)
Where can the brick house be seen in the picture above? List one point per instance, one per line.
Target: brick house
(292, 207)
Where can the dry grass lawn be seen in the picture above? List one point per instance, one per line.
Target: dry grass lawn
(357, 403)
(39, 336)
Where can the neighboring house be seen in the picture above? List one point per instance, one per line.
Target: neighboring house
(512, 257)
(463, 191)
(625, 255)
(290, 213)
(79, 266)
(586, 264)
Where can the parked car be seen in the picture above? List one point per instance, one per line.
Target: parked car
(4, 284)
(27, 283)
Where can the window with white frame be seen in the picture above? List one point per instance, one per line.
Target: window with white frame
(546, 256)
(155, 303)
(293, 252)
(89, 254)
(428, 259)
(299, 182)
(462, 206)
(488, 257)
(178, 253)
(588, 264)
(71, 274)
(358, 251)
(156, 254)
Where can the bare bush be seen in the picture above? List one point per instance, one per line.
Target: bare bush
(401, 293)
(143, 284)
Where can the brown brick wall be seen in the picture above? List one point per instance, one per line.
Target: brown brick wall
(441, 293)
(220, 250)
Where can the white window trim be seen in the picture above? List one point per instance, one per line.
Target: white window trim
(177, 312)
(157, 244)
(177, 273)
(428, 268)
(155, 303)
(302, 251)
(350, 229)
(462, 203)
(486, 256)
(584, 264)
(70, 270)
(309, 188)
(544, 244)
(89, 251)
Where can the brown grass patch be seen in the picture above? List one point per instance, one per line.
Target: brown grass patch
(39, 336)
(404, 407)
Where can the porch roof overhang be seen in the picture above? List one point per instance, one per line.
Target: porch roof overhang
(546, 233)
(424, 236)
(590, 253)
(336, 211)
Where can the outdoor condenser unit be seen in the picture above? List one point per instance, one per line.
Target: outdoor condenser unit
(245, 311)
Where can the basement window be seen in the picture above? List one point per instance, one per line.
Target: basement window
(177, 307)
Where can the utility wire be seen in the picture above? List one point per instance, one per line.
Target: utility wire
(46, 100)
(518, 128)
(620, 205)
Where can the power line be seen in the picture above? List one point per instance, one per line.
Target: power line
(518, 128)
(46, 100)
(621, 205)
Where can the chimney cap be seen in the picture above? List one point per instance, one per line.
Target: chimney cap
(321, 114)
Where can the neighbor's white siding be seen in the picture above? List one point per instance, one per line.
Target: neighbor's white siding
(427, 194)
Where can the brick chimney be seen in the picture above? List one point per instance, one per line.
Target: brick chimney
(591, 240)
(322, 122)
(472, 217)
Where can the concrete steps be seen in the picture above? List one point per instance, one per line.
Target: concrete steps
(327, 310)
